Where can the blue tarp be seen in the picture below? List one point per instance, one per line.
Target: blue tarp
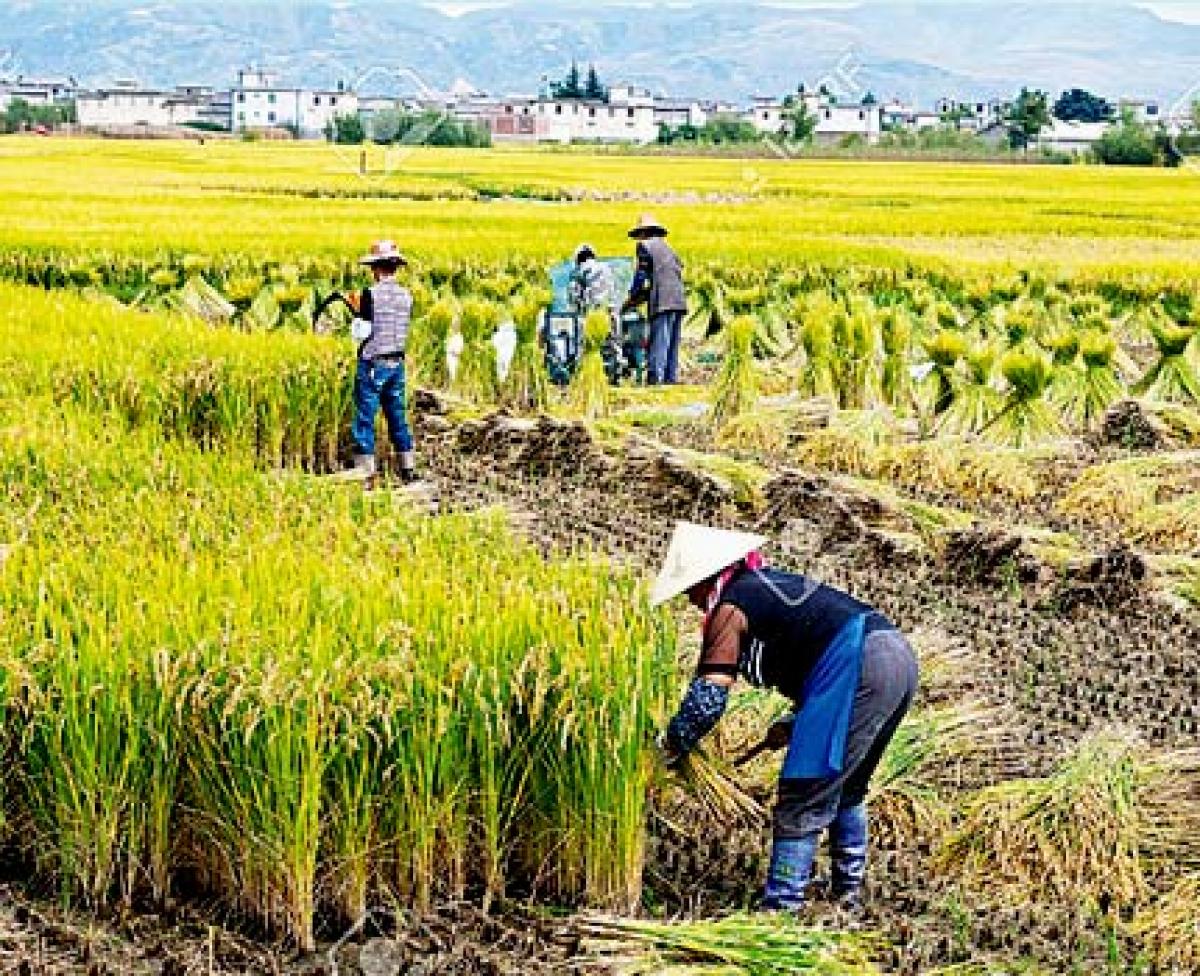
(560, 281)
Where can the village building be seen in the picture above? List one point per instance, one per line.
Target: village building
(129, 105)
(39, 92)
(837, 123)
(1071, 137)
(257, 102)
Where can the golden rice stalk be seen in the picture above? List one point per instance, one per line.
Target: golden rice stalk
(1169, 932)
(1120, 490)
(736, 387)
(754, 945)
(1089, 833)
(760, 431)
(591, 392)
(1171, 527)
(716, 793)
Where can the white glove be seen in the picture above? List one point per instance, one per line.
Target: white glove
(360, 330)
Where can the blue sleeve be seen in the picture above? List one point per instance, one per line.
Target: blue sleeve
(702, 708)
(641, 279)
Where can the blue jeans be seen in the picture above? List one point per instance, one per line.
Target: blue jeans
(375, 386)
(665, 329)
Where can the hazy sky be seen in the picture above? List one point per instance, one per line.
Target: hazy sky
(1184, 11)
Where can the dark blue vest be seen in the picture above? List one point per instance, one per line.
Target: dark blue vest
(793, 620)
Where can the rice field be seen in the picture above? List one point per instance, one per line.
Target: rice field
(969, 393)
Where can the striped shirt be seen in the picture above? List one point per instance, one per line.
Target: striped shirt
(388, 307)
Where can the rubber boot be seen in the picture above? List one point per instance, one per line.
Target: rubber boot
(362, 469)
(848, 856)
(408, 468)
(791, 870)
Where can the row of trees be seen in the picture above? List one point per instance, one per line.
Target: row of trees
(575, 86)
(1127, 142)
(19, 115)
(392, 127)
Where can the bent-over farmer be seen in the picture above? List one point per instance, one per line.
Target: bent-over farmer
(658, 284)
(849, 672)
(385, 310)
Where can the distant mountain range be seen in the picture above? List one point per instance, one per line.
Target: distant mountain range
(913, 51)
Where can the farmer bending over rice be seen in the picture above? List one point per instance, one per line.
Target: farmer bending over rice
(850, 673)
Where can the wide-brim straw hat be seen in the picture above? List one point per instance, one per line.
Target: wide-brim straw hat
(383, 251)
(647, 226)
(696, 553)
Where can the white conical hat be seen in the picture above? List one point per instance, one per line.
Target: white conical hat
(696, 553)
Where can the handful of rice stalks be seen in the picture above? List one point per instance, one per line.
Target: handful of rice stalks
(711, 785)
(754, 945)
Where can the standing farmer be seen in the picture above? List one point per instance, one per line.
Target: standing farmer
(658, 284)
(385, 311)
(850, 673)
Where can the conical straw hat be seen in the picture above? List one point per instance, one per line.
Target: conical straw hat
(696, 553)
(647, 226)
(383, 251)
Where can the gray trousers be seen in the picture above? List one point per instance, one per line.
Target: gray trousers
(665, 331)
(885, 691)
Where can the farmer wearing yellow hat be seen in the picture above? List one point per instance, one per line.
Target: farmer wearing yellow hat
(385, 310)
(658, 284)
(850, 673)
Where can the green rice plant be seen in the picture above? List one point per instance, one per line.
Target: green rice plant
(427, 344)
(735, 389)
(945, 349)
(527, 386)
(708, 305)
(895, 331)
(1026, 417)
(242, 290)
(976, 400)
(1172, 377)
(369, 722)
(264, 313)
(477, 380)
(816, 337)
(591, 392)
(1086, 399)
(753, 945)
(1022, 320)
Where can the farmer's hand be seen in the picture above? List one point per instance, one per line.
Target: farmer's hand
(779, 735)
(670, 756)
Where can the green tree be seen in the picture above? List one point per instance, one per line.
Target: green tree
(1029, 115)
(385, 126)
(571, 86)
(1128, 144)
(19, 115)
(870, 99)
(594, 88)
(1077, 105)
(801, 123)
(346, 130)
